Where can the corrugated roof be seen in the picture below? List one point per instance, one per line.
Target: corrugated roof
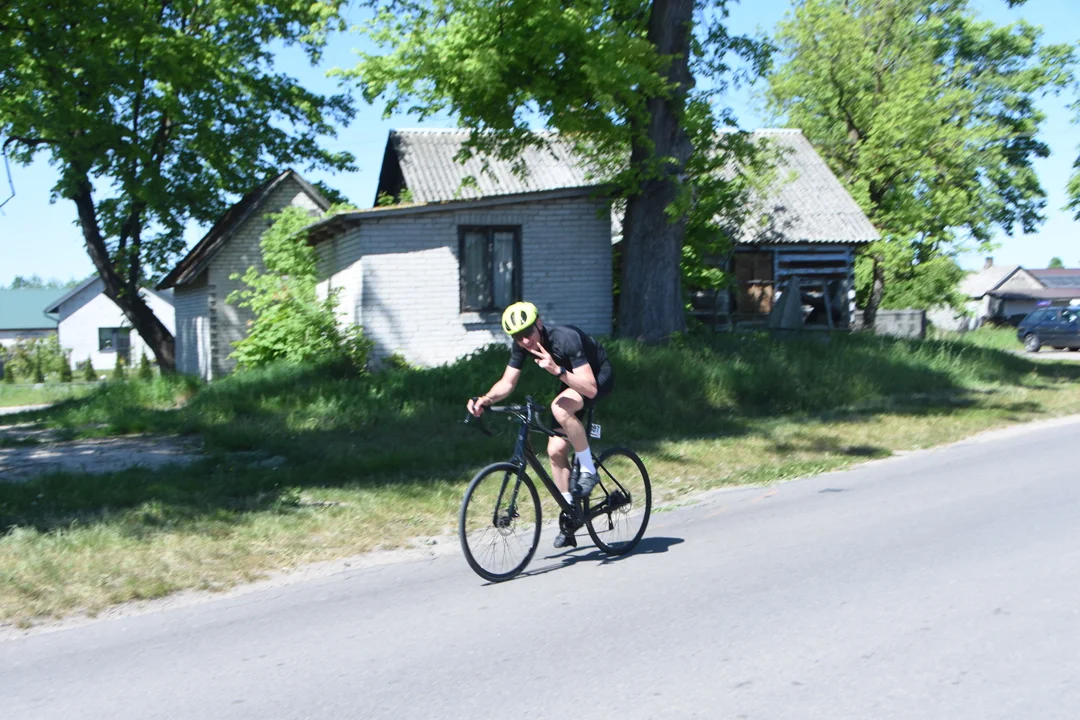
(1050, 293)
(808, 203)
(204, 251)
(24, 309)
(1058, 277)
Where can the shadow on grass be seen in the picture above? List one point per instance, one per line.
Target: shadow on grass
(330, 427)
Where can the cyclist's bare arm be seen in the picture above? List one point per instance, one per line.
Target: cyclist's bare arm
(501, 389)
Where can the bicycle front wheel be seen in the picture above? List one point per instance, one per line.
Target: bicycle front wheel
(499, 524)
(620, 504)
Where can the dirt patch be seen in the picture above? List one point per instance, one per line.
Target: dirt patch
(27, 451)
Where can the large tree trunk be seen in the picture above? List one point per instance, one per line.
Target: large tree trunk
(877, 291)
(124, 294)
(651, 303)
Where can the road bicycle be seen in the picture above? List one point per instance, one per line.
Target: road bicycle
(500, 520)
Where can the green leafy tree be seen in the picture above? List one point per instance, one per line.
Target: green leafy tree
(926, 114)
(620, 78)
(35, 282)
(291, 322)
(1056, 263)
(156, 114)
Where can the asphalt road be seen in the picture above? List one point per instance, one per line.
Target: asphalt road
(940, 584)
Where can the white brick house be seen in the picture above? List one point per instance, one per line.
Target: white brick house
(91, 326)
(206, 325)
(430, 281)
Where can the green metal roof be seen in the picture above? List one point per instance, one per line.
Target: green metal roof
(24, 309)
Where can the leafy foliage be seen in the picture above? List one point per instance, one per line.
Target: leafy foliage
(926, 114)
(922, 283)
(291, 322)
(157, 114)
(28, 355)
(596, 72)
(35, 282)
(1055, 263)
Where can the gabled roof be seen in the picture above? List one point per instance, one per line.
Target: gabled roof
(986, 280)
(335, 224)
(24, 309)
(204, 251)
(808, 203)
(54, 307)
(1058, 277)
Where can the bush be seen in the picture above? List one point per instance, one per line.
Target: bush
(65, 370)
(145, 372)
(120, 371)
(291, 322)
(89, 374)
(9, 374)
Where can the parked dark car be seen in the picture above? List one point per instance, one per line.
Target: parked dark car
(1058, 327)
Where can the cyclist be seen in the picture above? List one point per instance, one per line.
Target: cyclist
(582, 366)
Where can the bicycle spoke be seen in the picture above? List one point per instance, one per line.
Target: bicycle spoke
(621, 503)
(500, 519)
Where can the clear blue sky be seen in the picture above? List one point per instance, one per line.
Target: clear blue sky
(41, 238)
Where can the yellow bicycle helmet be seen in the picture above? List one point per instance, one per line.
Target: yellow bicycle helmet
(519, 317)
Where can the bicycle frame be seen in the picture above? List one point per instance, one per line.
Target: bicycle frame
(524, 455)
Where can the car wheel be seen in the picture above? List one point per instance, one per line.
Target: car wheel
(1074, 349)
(1032, 342)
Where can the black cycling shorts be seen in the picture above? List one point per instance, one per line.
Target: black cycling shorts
(605, 383)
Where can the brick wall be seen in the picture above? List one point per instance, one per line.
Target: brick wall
(399, 278)
(229, 323)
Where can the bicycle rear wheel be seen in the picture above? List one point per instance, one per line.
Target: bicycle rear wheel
(623, 498)
(499, 524)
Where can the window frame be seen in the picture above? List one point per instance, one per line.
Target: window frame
(114, 338)
(516, 279)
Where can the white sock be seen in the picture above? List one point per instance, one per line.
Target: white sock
(568, 497)
(585, 460)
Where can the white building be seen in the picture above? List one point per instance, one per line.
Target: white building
(92, 326)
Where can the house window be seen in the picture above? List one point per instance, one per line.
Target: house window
(114, 340)
(490, 267)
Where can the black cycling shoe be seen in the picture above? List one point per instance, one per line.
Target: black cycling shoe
(567, 526)
(565, 540)
(585, 483)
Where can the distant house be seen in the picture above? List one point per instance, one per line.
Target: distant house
(22, 314)
(206, 325)
(806, 225)
(91, 326)
(1006, 293)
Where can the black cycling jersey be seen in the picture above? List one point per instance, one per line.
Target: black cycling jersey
(570, 348)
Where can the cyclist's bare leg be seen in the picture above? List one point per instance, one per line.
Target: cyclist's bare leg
(563, 408)
(559, 453)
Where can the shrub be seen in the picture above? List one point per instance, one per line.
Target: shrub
(291, 322)
(89, 374)
(9, 373)
(65, 370)
(145, 372)
(120, 371)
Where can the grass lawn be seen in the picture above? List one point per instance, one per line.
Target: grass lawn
(15, 395)
(375, 461)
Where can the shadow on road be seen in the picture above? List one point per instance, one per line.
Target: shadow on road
(591, 554)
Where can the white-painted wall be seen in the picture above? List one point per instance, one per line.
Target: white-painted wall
(83, 314)
(399, 275)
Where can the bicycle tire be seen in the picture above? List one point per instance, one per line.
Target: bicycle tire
(615, 531)
(493, 524)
